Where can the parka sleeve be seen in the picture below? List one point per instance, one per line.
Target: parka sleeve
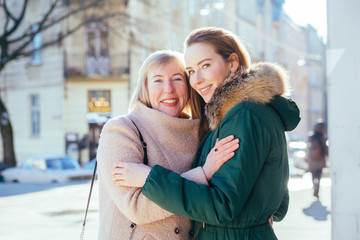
(281, 212)
(221, 201)
(119, 141)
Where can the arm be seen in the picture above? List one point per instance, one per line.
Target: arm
(134, 175)
(281, 212)
(119, 141)
(196, 174)
(219, 154)
(230, 186)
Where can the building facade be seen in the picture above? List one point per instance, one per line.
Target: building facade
(60, 97)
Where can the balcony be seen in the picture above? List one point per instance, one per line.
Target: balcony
(83, 65)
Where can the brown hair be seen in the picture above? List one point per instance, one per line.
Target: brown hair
(225, 43)
(160, 58)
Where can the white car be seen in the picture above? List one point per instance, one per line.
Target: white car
(47, 169)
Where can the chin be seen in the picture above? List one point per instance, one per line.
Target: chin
(173, 114)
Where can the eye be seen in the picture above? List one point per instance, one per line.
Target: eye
(190, 72)
(157, 80)
(178, 79)
(206, 65)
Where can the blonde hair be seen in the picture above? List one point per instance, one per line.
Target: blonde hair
(161, 58)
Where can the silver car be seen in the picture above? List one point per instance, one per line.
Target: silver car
(47, 169)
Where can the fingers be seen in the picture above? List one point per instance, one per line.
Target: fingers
(120, 164)
(228, 145)
(223, 141)
(231, 147)
(227, 152)
(117, 177)
(225, 158)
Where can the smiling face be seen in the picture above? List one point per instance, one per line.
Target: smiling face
(168, 91)
(207, 69)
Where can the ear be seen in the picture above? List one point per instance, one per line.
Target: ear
(234, 62)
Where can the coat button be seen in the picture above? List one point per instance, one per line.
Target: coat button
(177, 230)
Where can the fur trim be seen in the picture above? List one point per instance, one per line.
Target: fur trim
(259, 83)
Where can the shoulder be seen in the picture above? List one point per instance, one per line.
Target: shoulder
(249, 117)
(120, 126)
(245, 108)
(118, 122)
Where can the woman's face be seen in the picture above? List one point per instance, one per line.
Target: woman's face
(167, 88)
(207, 69)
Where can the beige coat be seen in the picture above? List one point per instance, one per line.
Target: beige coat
(172, 143)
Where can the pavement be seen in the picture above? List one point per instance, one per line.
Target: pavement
(56, 211)
(307, 218)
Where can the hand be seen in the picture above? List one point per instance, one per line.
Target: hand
(271, 221)
(222, 151)
(130, 174)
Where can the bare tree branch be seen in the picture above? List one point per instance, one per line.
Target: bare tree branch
(30, 33)
(27, 37)
(69, 32)
(18, 21)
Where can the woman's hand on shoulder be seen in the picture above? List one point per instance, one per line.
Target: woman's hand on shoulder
(126, 174)
(219, 154)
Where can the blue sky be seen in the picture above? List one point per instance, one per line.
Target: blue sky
(305, 12)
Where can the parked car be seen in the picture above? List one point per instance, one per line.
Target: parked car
(297, 152)
(47, 169)
(90, 165)
(3, 166)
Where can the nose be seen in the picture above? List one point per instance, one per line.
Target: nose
(169, 87)
(196, 78)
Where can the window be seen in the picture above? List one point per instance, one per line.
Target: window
(35, 47)
(35, 115)
(175, 3)
(247, 9)
(145, 46)
(191, 7)
(97, 49)
(99, 101)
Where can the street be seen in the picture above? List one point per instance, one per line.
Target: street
(56, 211)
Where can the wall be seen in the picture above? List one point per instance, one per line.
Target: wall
(343, 69)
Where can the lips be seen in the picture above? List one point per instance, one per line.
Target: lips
(169, 102)
(205, 90)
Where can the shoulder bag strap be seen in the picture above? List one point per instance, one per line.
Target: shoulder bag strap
(88, 202)
(133, 225)
(144, 145)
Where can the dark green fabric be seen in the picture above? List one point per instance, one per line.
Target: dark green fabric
(246, 190)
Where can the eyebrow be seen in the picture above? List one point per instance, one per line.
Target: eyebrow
(206, 59)
(159, 75)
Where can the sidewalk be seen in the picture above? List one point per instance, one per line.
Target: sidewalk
(307, 218)
(56, 212)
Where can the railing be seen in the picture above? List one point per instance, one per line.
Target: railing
(84, 65)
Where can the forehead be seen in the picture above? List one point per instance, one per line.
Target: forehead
(172, 66)
(197, 52)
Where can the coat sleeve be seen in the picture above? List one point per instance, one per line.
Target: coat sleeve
(281, 212)
(119, 141)
(221, 201)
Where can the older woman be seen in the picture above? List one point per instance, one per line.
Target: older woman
(160, 108)
(246, 100)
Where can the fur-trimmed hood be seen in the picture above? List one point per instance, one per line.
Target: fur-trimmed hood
(260, 83)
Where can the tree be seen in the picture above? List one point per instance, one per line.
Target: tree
(15, 45)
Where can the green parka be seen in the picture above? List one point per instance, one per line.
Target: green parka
(252, 186)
